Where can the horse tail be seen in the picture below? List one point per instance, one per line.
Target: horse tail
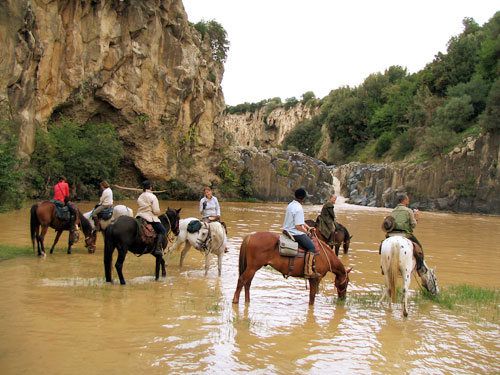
(392, 272)
(33, 223)
(243, 254)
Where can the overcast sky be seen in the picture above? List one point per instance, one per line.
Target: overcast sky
(285, 48)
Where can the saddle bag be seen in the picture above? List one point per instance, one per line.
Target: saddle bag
(106, 214)
(287, 246)
(194, 226)
(62, 211)
(146, 232)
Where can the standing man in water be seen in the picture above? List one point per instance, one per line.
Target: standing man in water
(294, 224)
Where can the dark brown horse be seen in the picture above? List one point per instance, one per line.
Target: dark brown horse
(124, 236)
(261, 249)
(43, 215)
(342, 236)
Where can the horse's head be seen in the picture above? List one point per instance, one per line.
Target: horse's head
(89, 232)
(342, 282)
(429, 280)
(172, 218)
(203, 237)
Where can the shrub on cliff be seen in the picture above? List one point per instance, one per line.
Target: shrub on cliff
(217, 37)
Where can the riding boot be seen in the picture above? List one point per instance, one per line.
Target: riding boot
(419, 258)
(158, 248)
(309, 273)
(97, 223)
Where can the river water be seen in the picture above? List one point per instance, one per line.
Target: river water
(57, 316)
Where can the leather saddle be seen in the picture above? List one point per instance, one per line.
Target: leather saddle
(106, 214)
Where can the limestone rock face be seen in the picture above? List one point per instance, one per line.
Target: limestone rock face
(263, 130)
(136, 64)
(467, 180)
(276, 174)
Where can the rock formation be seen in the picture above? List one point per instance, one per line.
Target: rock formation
(136, 64)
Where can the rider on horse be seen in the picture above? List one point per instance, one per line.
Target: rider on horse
(106, 201)
(148, 209)
(403, 222)
(295, 225)
(210, 209)
(61, 198)
(325, 222)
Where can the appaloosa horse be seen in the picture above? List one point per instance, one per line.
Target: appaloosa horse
(124, 235)
(396, 257)
(261, 249)
(342, 236)
(43, 214)
(118, 210)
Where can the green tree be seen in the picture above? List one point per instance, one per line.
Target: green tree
(84, 153)
(490, 119)
(455, 114)
(11, 186)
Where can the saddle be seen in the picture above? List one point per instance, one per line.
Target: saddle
(106, 214)
(146, 231)
(62, 210)
(288, 247)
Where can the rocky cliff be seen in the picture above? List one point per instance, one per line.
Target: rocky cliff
(136, 64)
(467, 180)
(262, 128)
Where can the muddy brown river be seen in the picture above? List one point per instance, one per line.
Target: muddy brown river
(58, 316)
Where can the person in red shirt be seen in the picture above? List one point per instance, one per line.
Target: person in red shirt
(61, 190)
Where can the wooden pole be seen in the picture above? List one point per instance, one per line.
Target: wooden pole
(135, 189)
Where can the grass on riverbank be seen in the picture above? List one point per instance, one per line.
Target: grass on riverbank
(457, 296)
(9, 252)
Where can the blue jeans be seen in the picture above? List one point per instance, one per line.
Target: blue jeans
(158, 227)
(305, 242)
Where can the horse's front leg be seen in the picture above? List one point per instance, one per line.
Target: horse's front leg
(337, 248)
(157, 266)
(187, 246)
(41, 240)
(313, 290)
(122, 252)
(219, 261)
(207, 263)
(58, 234)
(163, 269)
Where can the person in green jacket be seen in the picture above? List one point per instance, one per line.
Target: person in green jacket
(405, 220)
(325, 222)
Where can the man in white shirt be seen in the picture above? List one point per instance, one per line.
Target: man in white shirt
(149, 209)
(106, 201)
(294, 224)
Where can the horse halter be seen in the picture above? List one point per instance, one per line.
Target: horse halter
(344, 282)
(204, 244)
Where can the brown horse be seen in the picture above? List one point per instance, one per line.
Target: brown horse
(342, 236)
(261, 249)
(43, 215)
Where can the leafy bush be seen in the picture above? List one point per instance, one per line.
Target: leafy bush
(85, 154)
(383, 144)
(11, 187)
(438, 140)
(305, 137)
(490, 119)
(455, 114)
(217, 36)
(405, 144)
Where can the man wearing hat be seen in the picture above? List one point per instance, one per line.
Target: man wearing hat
(294, 224)
(149, 209)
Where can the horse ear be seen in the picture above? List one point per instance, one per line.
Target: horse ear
(350, 237)
(348, 270)
(179, 210)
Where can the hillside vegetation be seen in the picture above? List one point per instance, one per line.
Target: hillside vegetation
(396, 115)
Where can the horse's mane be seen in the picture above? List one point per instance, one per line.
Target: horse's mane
(86, 226)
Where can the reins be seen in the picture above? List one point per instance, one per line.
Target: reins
(330, 265)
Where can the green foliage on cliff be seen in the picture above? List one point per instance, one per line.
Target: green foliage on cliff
(11, 176)
(85, 154)
(425, 113)
(217, 37)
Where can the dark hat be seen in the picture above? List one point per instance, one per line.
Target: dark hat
(388, 224)
(146, 184)
(300, 193)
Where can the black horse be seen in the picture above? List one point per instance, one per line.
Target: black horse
(124, 235)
